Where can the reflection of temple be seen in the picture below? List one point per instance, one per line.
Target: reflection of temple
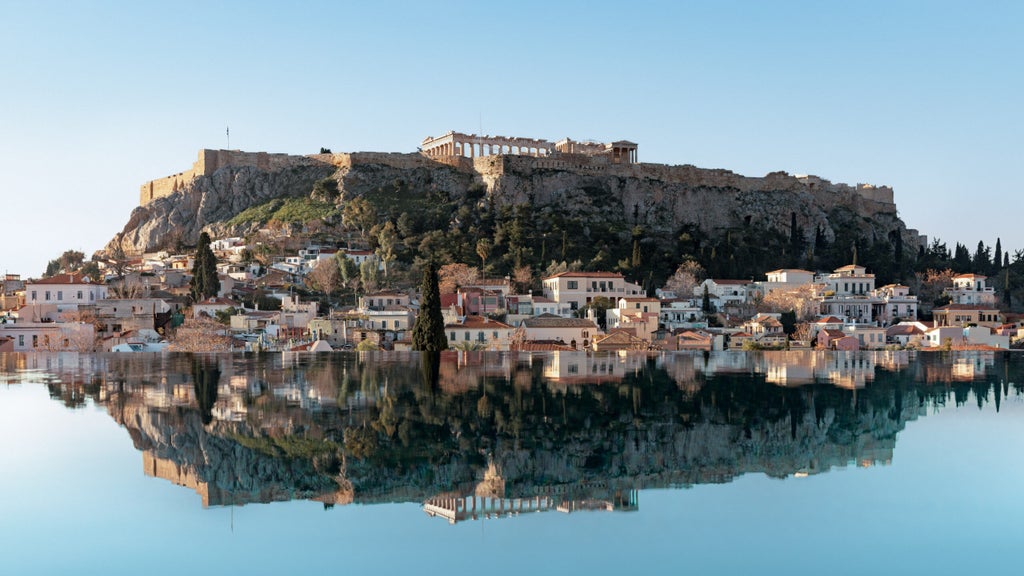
(565, 499)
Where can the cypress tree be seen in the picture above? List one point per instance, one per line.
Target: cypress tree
(205, 283)
(428, 331)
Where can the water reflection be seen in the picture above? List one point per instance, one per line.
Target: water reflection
(483, 435)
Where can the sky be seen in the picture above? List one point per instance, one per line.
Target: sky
(98, 97)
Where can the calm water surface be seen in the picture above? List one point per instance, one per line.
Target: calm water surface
(730, 463)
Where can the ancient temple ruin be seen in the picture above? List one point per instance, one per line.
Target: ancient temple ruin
(474, 146)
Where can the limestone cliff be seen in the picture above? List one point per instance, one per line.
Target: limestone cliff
(661, 198)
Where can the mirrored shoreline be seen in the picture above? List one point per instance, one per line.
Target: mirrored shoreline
(474, 435)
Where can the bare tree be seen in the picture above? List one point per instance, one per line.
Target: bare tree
(325, 277)
(451, 276)
(686, 277)
(802, 300)
(200, 335)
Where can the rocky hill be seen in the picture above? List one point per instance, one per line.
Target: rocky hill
(601, 207)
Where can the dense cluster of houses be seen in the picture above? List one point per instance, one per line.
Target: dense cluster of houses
(149, 298)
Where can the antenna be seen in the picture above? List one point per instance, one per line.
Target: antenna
(228, 133)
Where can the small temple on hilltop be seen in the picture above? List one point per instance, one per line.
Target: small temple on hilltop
(473, 146)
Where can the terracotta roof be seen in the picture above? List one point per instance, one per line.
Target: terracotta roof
(477, 322)
(975, 276)
(829, 320)
(217, 301)
(790, 270)
(585, 275)
(903, 330)
(73, 278)
(552, 321)
(848, 267)
(834, 333)
(695, 335)
(728, 281)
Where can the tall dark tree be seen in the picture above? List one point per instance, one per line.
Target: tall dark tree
(705, 304)
(428, 331)
(997, 257)
(898, 256)
(205, 378)
(982, 261)
(205, 283)
(796, 240)
(961, 259)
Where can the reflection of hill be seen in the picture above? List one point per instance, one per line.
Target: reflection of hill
(505, 429)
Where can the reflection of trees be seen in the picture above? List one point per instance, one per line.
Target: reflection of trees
(413, 425)
(205, 378)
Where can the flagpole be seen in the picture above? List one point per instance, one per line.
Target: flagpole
(228, 132)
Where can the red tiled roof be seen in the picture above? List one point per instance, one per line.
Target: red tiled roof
(477, 322)
(73, 278)
(585, 275)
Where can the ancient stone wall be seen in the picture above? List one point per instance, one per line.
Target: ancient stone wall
(209, 161)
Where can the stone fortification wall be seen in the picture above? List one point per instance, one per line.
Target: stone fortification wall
(210, 161)
(492, 168)
(392, 159)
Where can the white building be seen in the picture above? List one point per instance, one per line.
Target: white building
(728, 292)
(971, 289)
(576, 289)
(479, 331)
(62, 293)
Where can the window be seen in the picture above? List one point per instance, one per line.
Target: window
(35, 341)
(60, 294)
(384, 324)
(47, 296)
(572, 285)
(465, 335)
(452, 337)
(574, 305)
(79, 296)
(494, 334)
(479, 336)
(33, 295)
(21, 340)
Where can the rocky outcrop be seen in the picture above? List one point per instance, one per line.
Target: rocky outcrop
(661, 198)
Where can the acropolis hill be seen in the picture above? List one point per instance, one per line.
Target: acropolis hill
(587, 179)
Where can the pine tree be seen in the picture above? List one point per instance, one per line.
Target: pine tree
(205, 283)
(428, 331)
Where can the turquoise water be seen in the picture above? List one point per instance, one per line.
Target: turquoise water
(772, 463)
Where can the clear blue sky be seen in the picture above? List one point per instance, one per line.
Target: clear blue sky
(98, 97)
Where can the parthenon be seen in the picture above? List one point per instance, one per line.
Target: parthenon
(473, 146)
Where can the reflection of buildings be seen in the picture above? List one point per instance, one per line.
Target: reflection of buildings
(567, 368)
(373, 428)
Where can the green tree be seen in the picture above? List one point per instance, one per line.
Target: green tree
(428, 331)
(705, 304)
(204, 283)
(483, 249)
(387, 241)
